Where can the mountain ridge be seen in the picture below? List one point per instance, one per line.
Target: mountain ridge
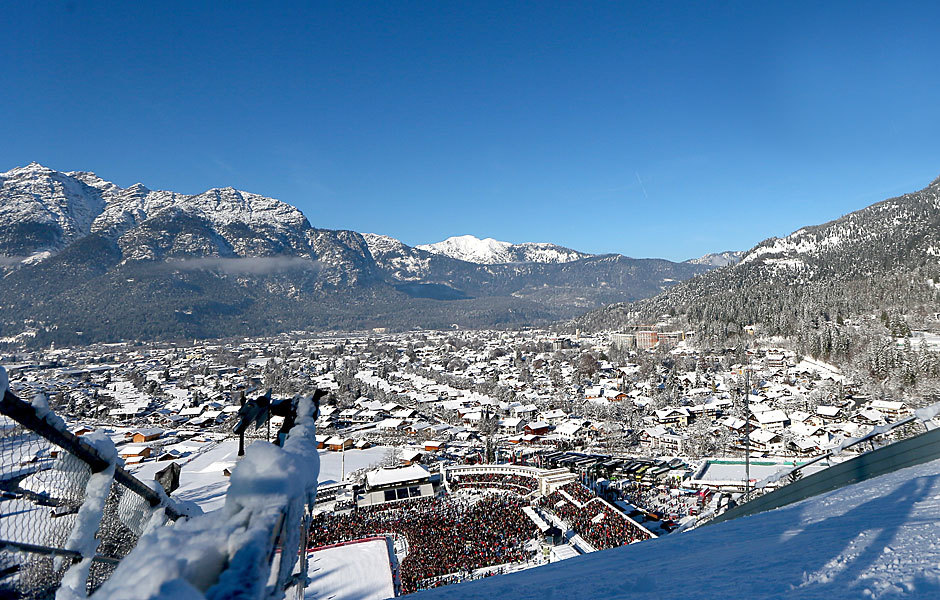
(489, 251)
(883, 259)
(84, 259)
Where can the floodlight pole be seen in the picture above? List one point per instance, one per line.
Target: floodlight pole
(747, 427)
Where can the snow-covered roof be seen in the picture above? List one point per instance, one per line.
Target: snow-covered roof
(770, 416)
(384, 477)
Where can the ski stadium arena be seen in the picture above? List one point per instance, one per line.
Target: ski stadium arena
(409, 530)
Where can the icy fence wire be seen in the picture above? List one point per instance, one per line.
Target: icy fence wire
(42, 489)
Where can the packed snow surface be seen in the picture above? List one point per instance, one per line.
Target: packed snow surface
(875, 539)
(202, 474)
(332, 469)
(359, 571)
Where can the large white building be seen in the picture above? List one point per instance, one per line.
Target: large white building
(400, 483)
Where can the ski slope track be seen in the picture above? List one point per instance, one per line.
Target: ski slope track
(875, 539)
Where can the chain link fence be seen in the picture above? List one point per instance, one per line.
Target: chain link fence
(45, 472)
(72, 517)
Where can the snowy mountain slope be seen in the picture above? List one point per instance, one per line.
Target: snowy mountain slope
(875, 539)
(572, 285)
(489, 251)
(69, 206)
(897, 231)
(718, 259)
(44, 210)
(401, 261)
(878, 258)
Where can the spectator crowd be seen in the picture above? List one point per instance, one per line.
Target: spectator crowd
(511, 482)
(448, 536)
(596, 522)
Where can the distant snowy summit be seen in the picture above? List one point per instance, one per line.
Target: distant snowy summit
(490, 252)
(719, 259)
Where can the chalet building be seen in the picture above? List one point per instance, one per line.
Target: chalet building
(140, 436)
(802, 445)
(410, 457)
(828, 413)
(870, 416)
(554, 416)
(511, 425)
(673, 443)
(890, 409)
(570, 430)
(537, 428)
(673, 416)
(337, 444)
(134, 454)
(772, 420)
(650, 436)
(764, 440)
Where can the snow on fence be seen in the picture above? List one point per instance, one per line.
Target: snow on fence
(74, 523)
(70, 513)
(253, 547)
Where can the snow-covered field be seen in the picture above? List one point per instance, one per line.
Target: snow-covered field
(875, 539)
(331, 463)
(736, 471)
(931, 340)
(202, 478)
(359, 571)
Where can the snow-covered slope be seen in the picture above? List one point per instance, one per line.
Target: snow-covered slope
(879, 258)
(44, 210)
(489, 251)
(875, 539)
(718, 259)
(401, 261)
(893, 232)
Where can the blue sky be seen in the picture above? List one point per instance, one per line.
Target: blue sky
(649, 129)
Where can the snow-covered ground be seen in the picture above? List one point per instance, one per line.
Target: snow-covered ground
(875, 539)
(931, 340)
(202, 477)
(735, 471)
(331, 463)
(359, 571)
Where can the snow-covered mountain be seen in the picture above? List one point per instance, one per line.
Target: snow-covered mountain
(490, 252)
(718, 259)
(87, 259)
(885, 257)
(69, 206)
